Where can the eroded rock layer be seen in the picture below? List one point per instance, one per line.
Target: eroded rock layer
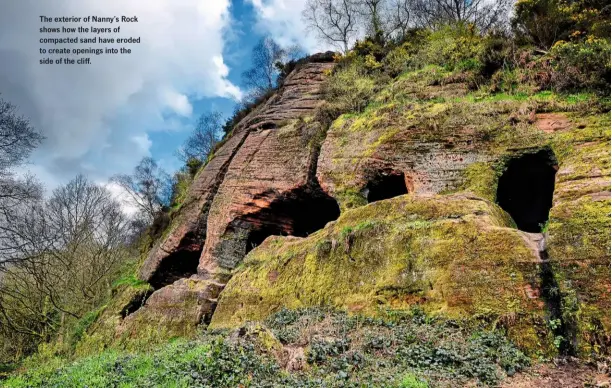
(453, 255)
(414, 180)
(232, 204)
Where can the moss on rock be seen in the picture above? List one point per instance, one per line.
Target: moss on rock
(452, 255)
(579, 232)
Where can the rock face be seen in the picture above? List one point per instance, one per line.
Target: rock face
(397, 208)
(453, 255)
(249, 190)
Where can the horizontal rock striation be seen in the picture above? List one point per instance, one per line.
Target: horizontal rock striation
(265, 162)
(411, 183)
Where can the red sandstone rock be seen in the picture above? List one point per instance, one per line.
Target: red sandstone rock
(256, 161)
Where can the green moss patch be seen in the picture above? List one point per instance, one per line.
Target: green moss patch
(452, 255)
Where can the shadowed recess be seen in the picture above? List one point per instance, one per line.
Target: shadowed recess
(179, 265)
(525, 189)
(384, 185)
(137, 302)
(298, 213)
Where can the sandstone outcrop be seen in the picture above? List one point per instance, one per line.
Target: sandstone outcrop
(414, 184)
(249, 190)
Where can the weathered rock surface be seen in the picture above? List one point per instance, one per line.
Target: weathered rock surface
(452, 255)
(265, 164)
(256, 161)
(445, 246)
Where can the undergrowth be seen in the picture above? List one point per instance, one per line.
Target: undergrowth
(401, 349)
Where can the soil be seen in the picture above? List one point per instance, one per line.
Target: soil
(561, 374)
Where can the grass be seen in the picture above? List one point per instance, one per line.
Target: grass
(129, 280)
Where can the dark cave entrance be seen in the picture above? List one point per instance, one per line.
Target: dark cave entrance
(525, 189)
(135, 303)
(178, 265)
(384, 185)
(298, 213)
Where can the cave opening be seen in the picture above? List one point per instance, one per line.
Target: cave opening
(299, 213)
(181, 264)
(525, 189)
(258, 234)
(384, 185)
(135, 303)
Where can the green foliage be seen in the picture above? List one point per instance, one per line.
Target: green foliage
(544, 22)
(411, 381)
(129, 280)
(211, 362)
(403, 349)
(582, 65)
(355, 346)
(455, 47)
(494, 53)
(397, 61)
(81, 326)
(350, 88)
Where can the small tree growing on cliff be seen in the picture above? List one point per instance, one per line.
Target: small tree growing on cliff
(204, 137)
(261, 76)
(268, 60)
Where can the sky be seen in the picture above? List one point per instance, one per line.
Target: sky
(101, 119)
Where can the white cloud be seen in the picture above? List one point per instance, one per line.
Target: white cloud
(92, 115)
(179, 103)
(143, 142)
(282, 19)
(128, 204)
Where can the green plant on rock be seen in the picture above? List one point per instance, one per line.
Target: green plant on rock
(350, 88)
(582, 65)
(453, 46)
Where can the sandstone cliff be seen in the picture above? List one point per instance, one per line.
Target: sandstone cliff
(398, 206)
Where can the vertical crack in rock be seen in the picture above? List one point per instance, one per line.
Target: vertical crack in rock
(184, 262)
(551, 294)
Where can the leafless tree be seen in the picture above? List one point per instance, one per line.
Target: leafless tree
(204, 137)
(268, 59)
(17, 140)
(399, 17)
(334, 21)
(17, 137)
(149, 187)
(72, 246)
(484, 14)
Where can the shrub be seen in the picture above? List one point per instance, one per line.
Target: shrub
(581, 65)
(350, 88)
(494, 54)
(453, 46)
(401, 58)
(397, 61)
(544, 22)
